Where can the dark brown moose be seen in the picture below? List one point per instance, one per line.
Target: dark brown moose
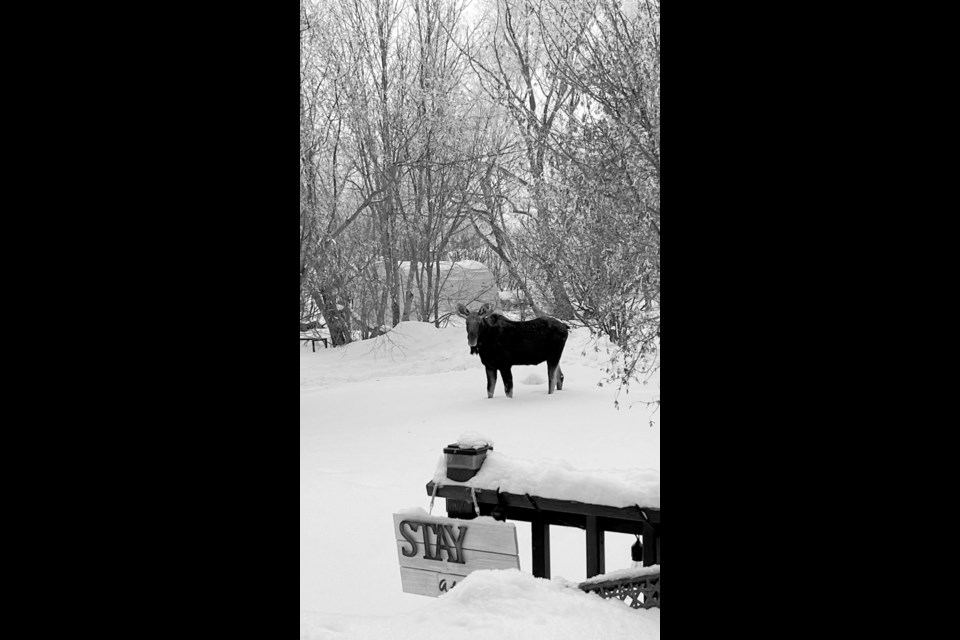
(502, 344)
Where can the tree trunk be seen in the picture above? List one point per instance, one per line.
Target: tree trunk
(337, 320)
(562, 306)
(408, 298)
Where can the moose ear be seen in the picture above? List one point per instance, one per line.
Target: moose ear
(462, 310)
(486, 310)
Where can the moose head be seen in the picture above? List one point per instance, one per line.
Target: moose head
(474, 319)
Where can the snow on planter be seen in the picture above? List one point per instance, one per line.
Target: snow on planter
(474, 440)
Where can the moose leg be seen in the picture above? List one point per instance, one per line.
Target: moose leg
(507, 381)
(553, 368)
(559, 378)
(491, 382)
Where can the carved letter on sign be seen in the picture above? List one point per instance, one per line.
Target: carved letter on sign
(407, 531)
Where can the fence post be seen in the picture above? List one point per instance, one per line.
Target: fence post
(541, 549)
(596, 548)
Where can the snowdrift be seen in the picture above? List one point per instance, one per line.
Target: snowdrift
(498, 605)
(419, 348)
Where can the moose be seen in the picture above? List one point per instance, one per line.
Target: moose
(503, 343)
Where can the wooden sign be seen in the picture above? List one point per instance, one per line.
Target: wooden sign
(436, 554)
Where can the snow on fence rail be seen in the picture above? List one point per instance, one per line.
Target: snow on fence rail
(639, 588)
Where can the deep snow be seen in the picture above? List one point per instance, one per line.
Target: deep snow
(561, 481)
(501, 605)
(374, 419)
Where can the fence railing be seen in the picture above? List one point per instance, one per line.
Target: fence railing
(640, 593)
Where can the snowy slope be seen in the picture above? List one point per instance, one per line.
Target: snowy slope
(503, 605)
(374, 418)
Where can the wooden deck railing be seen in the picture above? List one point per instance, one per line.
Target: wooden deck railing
(641, 592)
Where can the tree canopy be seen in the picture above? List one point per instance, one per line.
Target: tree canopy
(524, 134)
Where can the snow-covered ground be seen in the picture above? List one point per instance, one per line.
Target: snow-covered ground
(374, 419)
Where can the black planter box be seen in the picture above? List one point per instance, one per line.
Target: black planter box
(463, 464)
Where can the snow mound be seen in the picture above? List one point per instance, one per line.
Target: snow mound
(534, 379)
(409, 349)
(498, 605)
(560, 481)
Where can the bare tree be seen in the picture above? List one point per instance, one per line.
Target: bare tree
(607, 187)
(513, 69)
